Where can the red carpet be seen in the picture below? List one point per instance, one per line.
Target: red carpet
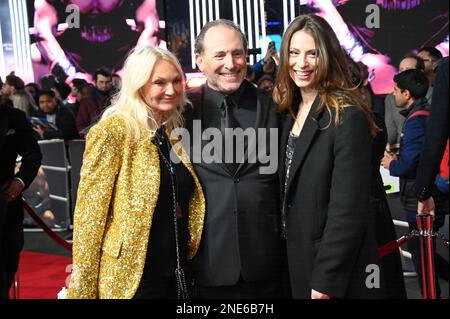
(41, 276)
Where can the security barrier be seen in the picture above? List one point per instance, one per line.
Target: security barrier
(52, 195)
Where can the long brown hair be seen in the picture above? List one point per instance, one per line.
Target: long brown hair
(331, 76)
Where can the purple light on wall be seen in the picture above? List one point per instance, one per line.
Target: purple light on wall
(399, 4)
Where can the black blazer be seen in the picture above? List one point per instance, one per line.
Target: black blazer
(241, 230)
(16, 138)
(329, 229)
(436, 135)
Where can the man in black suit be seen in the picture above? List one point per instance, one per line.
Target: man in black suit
(435, 139)
(16, 138)
(241, 253)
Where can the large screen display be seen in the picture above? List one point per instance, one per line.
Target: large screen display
(73, 38)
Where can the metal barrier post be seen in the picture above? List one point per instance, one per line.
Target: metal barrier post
(425, 225)
(14, 289)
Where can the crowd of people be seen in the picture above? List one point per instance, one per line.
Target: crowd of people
(154, 219)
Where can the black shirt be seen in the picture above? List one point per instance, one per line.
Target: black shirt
(245, 105)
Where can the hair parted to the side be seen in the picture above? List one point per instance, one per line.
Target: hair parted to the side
(129, 102)
(331, 77)
(199, 45)
(413, 80)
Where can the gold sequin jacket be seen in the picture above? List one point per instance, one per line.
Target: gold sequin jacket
(117, 196)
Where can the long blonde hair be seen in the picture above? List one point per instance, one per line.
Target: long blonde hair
(129, 102)
(331, 77)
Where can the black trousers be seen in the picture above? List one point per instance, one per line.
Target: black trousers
(157, 287)
(3, 289)
(244, 290)
(11, 243)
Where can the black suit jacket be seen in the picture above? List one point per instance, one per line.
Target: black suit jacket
(329, 228)
(436, 135)
(241, 230)
(16, 138)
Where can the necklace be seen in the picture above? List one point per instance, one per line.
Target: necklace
(180, 277)
(301, 117)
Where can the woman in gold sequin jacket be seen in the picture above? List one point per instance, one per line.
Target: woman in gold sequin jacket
(140, 208)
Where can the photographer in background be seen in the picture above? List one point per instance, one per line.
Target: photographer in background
(268, 65)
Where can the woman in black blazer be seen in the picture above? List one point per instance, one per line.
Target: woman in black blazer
(325, 168)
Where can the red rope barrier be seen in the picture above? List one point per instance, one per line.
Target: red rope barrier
(424, 223)
(45, 228)
(389, 247)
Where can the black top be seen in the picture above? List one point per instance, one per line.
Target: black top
(290, 149)
(161, 251)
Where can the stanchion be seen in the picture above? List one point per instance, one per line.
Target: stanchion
(425, 233)
(16, 286)
(425, 225)
(14, 289)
